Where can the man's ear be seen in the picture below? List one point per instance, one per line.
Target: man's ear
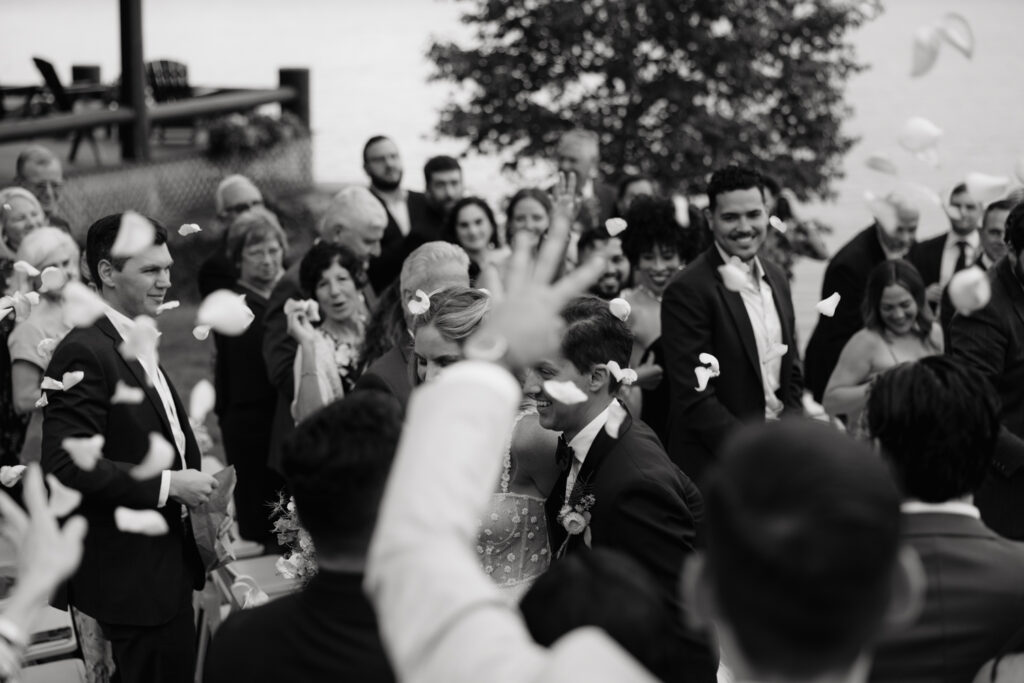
(707, 214)
(695, 590)
(600, 378)
(106, 272)
(906, 592)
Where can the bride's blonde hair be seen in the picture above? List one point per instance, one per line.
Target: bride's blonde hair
(456, 312)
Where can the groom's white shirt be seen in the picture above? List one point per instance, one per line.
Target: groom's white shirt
(442, 619)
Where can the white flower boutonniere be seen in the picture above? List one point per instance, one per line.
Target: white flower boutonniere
(575, 516)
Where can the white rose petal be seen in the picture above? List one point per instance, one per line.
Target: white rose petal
(70, 379)
(52, 279)
(127, 395)
(957, 32)
(254, 597)
(927, 41)
(51, 384)
(620, 308)
(201, 332)
(135, 235)
(564, 392)
(704, 375)
(188, 229)
(615, 226)
(827, 307)
(84, 452)
(880, 161)
(160, 457)
(970, 290)
(11, 474)
(42, 402)
(733, 278)
(201, 401)
(63, 500)
(919, 134)
(167, 306)
(82, 306)
(616, 414)
(708, 359)
(145, 522)
(141, 341)
(225, 313)
(420, 303)
(26, 268)
(778, 224)
(985, 188)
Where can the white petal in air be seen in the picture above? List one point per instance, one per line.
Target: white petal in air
(969, 290)
(778, 224)
(225, 313)
(827, 307)
(11, 474)
(682, 210)
(135, 235)
(201, 332)
(420, 303)
(564, 392)
(620, 308)
(775, 352)
(51, 384)
(70, 379)
(927, 41)
(616, 414)
(625, 375)
(145, 522)
(957, 32)
(308, 306)
(21, 303)
(82, 306)
(201, 401)
(882, 211)
(167, 306)
(42, 402)
(26, 268)
(615, 226)
(52, 279)
(919, 134)
(880, 161)
(127, 395)
(141, 341)
(704, 375)
(711, 361)
(733, 278)
(985, 188)
(84, 452)
(188, 229)
(63, 500)
(160, 457)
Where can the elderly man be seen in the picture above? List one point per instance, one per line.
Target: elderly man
(235, 195)
(41, 173)
(354, 219)
(579, 152)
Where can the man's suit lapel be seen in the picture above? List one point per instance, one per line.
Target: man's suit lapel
(554, 502)
(738, 311)
(1013, 287)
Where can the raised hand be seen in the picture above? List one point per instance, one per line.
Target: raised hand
(300, 328)
(565, 198)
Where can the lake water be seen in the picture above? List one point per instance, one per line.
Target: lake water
(369, 76)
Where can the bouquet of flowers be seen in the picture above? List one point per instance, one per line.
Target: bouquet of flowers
(300, 560)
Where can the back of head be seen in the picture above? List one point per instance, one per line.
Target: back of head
(434, 265)
(803, 539)
(228, 183)
(39, 245)
(652, 224)
(456, 312)
(731, 179)
(100, 240)
(1015, 229)
(336, 463)
(353, 208)
(603, 588)
(937, 421)
(593, 335)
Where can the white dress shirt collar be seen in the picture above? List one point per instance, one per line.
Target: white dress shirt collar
(950, 507)
(752, 267)
(582, 442)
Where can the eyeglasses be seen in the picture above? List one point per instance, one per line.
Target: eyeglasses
(242, 207)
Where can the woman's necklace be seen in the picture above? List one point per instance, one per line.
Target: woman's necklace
(649, 292)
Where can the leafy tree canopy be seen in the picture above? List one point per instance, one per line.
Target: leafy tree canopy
(675, 88)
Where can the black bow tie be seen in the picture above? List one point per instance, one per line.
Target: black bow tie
(564, 454)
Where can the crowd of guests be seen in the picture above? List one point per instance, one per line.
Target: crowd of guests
(541, 448)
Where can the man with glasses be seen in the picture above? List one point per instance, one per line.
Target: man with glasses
(40, 172)
(235, 195)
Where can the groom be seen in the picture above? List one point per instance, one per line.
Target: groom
(620, 492)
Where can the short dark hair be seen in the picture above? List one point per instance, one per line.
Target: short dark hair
(803, 537)
(1015, 228)
(100, 240)
(652, 223)
(937, 420)
(629, 180)
(439, 164)
(589, 239)
(730, 179)
(904, 274)
(320, 257)
(1000, 205)
(603, 588)
(371, 142)
(960, 188)
(593, 336)
(452, 219)
(336, 463)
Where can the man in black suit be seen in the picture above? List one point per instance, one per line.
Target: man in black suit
(750, 332)
(847, 274)
(937, 423)
(327, 631)
(627, 493)
(138, 587)
(443, 188)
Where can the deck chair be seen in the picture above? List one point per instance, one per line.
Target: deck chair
(64, 103)
(168, 82)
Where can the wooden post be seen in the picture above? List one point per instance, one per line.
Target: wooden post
(135, 135)
(298, 79)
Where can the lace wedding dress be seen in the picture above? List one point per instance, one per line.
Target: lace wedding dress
(512, 544)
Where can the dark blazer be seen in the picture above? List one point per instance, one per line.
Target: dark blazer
(1000, 498)
(926, 256)
(646, 508)
(700, 315)
(279, 356)
(992, 341)
(394, 246)
(973, 605)
(847, 273)
(326, 632)
(124, 578)
(391, 373)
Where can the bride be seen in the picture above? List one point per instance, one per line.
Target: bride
(512, 544)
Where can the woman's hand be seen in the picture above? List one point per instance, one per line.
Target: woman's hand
(299, 327)
(649, 375)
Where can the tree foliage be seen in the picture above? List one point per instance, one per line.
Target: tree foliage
(675, 88)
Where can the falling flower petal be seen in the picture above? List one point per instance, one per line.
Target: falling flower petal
(84, 452)
(32, 298)
(704, 375)
(957, 32)
(420, 303)
(616, 414)
(827, 307)
(63, 500)
(564, 392)
(733, 278)
(201, 401)
(985, 188)
(711, 361)
(82, 306)
(620, 308)
(26, 268)
(51, 384)
(882, 211)
(188, 229)
(927, 41)
(615, 369)
(778, 224)
(21, 303)
(167, 306)
(127, 395)
(45, 347)
(52, 279)
(970, 290)
(615, 226)
(160, 457)
(775, 352)
(42, 402)
(880, 161)
(201, 332)
(70, 379)
(919, 134)
(11, 474)
(225, 313)
(682, 210)
(145, 522)
(135, 235)
(254, 597)
(141, 340)
(308, 306)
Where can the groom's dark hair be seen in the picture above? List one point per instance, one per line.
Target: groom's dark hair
(593, 335)
(336, 462)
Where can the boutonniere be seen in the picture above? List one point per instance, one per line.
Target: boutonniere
(575, 516)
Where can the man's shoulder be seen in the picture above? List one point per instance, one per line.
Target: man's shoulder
(697, 274)
(857, 249)
(249, 627)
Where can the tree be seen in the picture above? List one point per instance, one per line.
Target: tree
(675, 88)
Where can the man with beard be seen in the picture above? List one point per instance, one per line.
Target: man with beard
(442, 176)
(738, 308)
(616, 270)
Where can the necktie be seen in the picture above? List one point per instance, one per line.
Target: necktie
(563, 454)
(961, 259)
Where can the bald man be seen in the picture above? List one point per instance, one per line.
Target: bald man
(235, 196)
(889, 237)
(40, 172)
(355, 219)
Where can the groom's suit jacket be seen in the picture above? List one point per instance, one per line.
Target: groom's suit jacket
(646, 508)
(128, 579)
